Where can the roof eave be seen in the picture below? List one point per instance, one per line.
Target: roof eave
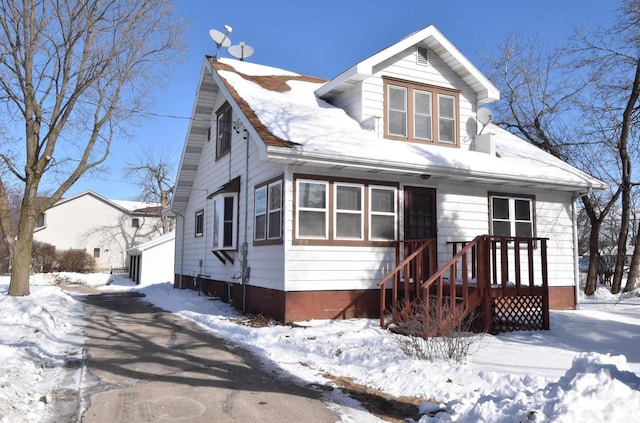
(293, 156)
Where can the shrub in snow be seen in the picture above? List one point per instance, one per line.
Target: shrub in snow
(430, 332)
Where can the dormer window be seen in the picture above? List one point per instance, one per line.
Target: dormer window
(421, 113)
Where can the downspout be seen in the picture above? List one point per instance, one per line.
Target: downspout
(181, 252)
(245, 244)
(576, 258)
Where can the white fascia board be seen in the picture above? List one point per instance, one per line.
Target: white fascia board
(175, 208)
(490, 92)
(350, 74)
(292, 156)
(432, 36)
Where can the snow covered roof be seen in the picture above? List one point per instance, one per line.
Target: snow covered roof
(297, 127)
(140, 248)
(429, 37)
(137, 207)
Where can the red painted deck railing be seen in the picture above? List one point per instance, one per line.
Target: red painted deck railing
(416, 260)
(481, 273)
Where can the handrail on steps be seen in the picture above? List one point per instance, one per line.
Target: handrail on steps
(412, 267)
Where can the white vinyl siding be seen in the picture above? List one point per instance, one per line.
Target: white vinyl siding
(462, 213)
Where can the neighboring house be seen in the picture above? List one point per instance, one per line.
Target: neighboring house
(293, 192)
(152, 261)
(104, 228)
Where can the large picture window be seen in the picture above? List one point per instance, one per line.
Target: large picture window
(345, 212)
(268, 212)
(512, 216)
(423, 113)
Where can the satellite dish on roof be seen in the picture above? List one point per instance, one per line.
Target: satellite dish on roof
(221, 40)
(485, 117)
(241, 51)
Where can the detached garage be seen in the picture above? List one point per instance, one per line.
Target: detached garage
(152, 261)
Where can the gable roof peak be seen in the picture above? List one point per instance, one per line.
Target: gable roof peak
(434, 40)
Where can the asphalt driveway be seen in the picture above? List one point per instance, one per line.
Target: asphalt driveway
(144, 364)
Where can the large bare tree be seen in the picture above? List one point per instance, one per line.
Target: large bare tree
(543, 93)
(72, 72)
(581, 102)
(153, 170)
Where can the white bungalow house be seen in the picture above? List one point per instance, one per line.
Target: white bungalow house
(298, 197)
(104, 228)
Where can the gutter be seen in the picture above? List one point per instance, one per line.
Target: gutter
(289, 156)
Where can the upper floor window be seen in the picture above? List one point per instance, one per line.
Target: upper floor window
(96, 253)
(135, 222)
(512, 216)
(268, 212)
(224, 124)
(423, 113)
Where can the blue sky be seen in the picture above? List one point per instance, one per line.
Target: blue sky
(323, 39)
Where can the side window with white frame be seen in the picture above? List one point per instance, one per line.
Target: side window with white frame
(225, 221)
(312, 209)
(199, 223)
(135, 222)
(512, 216)
(268, 212)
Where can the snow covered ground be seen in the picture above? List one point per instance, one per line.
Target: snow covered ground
(586, 369)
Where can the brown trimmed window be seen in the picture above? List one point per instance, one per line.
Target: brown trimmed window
(344, 212)
(223, 138)
(268, 212)
(422, 113)
(512, 215)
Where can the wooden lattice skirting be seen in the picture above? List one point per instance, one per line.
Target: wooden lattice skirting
(516, 313)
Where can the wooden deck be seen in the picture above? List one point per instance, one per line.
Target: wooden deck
(503, 280)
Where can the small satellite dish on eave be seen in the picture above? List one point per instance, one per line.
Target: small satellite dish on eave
(221, 40)
(485, 116)
(241, 51)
